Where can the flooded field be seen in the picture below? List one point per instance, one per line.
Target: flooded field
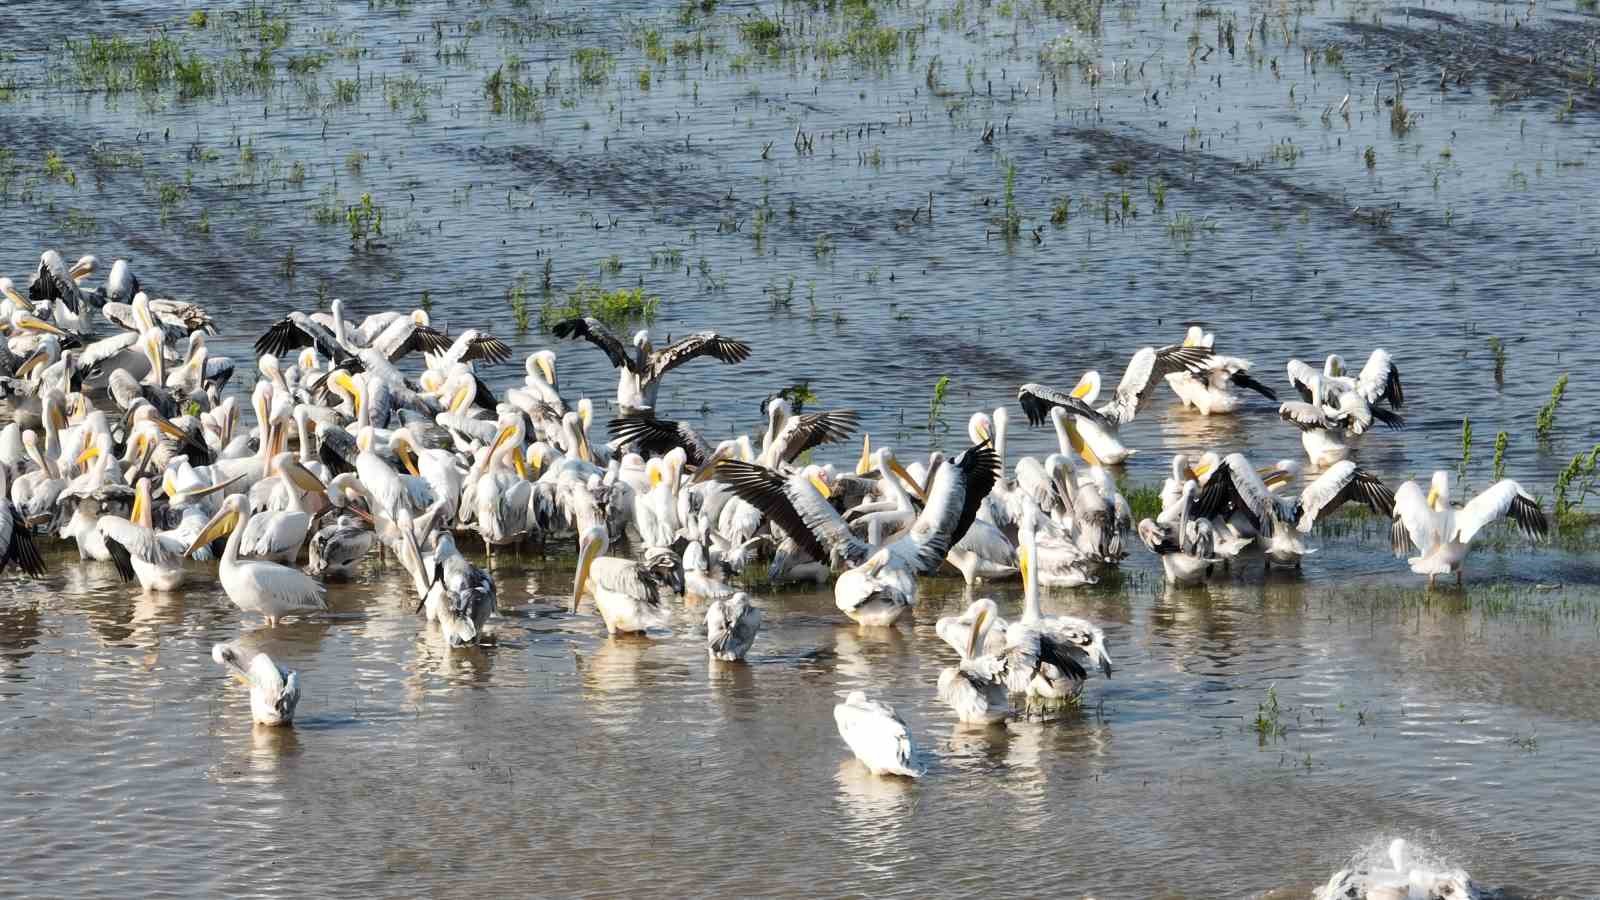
(875, 196)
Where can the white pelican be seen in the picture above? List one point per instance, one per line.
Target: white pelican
(15, 538)
(256, 585)
(731, 627)
(338, 547)
(789, 435)
(956, 631)
(1211, 387)
(703, 574)
(1401, 881)
(137, 549)
(627, 593)
(642, 367)
(1341, 483)
(1378, 381)
(876, 735)
(460, 597)
(1332, 421)
(1062, 649)
(1443, 534)
(274, 692)
(1185, 543)
(974, 688)
(882, 585)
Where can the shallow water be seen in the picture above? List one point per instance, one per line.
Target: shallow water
(1468, 721)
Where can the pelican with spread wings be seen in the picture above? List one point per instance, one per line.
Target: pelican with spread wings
(641, 366)
(1442, 534)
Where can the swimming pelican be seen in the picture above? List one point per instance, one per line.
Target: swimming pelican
(1401, 881)
(274, 692)
(731, 627)
(338, 547)
(643, 367)
(975, 688)
(876, 735)
(256, 585)
(1185, 543)
(627, 593)
(1443, 534)
(138, 550)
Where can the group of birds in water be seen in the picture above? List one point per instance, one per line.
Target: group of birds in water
(126, 440)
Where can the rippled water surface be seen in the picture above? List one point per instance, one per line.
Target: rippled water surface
(1196, 181)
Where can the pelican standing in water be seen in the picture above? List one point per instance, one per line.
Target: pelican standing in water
(1442, 534)
(876, 735)
(731, 627)
(626, 593)
(274, 692)
(1402, 881)
(1064, 647)
(974, 687)
(253, 585)
(138, 550)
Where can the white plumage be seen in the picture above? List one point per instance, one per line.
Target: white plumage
(876, 735)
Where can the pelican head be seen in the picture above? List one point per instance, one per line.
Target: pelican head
(83, 268)
(347, 385)
(419, 317)
(227, 518)
(1194, 337)
(1088, 387)
(120, 283)
(641, 340)
(274, 692)
(889, 467)
(591, 544)
(542, 366)
(864, 462)
(404, 445)
(980, 428)
(287, 465)
(725, 450)
(982, 612)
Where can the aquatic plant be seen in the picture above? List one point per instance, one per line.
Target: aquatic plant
(365, 220)
(1500, 442)
(1370, 157)
(1268, 723)
(616, 308)
(941, 389)
(1546, 420)
(56, 169)
(1579, 477)
(594, 65)
(1400, 119)
(1060, 210)
(517, 299)
(1498, 349)
(1011, 225)
(762, 34)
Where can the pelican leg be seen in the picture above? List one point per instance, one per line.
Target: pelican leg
(1458, 578)
(1431, 579)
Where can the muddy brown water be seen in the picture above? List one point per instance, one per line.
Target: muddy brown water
(556, 761)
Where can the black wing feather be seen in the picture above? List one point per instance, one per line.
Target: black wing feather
(596, 333)
(23, 551)
(765, 490)
(121, 559)
(1037, 400)
(1390, 419)
(1244, 380)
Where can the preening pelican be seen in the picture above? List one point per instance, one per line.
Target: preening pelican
(626, 593)
(1378, 381)
(876, 735)
(1050, 655)
(1442, 534)
(642, 367)
(1342, 483)
(974, 687)
(1186, 543)
(1402, 880)
(339, 546)
(138, 550)
(256, 585)
(274, 692)
(731, 627)
(1331, 422)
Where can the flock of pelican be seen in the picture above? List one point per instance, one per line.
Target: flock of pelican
(127, 441)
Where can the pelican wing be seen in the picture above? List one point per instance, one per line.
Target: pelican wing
(625, 577)
(18, 543)
(1307, 416)
(473, 345)
(704, 343)
(298, 330)
(1235, 486)
(106, 348)
(1412, 519)
(277, 587)
(54, 282)
(1342, 483)
(1503, 499)
(814, 429)
(1063, 654)
(596, 333)
(403, 337)
(731, 625)
(657, 437)
(1146, 369)
(797, 508)
(278, 533)
(877, 735)
(1037, 400)
(143, 544)
(1379, 380)
(1242, 378)
(957, 491)
(1303, 376)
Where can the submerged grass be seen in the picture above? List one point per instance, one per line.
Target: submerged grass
(614, 307)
